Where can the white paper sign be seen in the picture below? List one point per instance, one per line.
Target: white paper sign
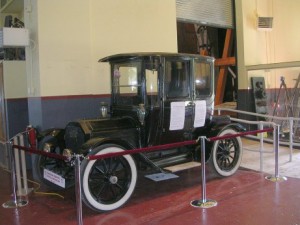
(177, 115)
(54, 178)
(200, 113)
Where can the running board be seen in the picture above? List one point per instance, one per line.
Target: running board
(183, 166)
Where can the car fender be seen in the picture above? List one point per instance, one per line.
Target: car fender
(93, 143)
(235, 126)
(54, 132)
(220, 123)
(56, 136)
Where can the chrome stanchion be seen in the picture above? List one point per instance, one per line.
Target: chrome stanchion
(291, 135)
(276, 177)
(25, 189)
(78, 190)
(17, 166)
(203, 203)
(15, 202)
(261, 147)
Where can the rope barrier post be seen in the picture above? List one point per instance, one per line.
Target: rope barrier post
(203, 203)
(15, 202)
(23, 167)
(261, 147)
(291, 134)
(276, 177)
(78, 190)
(17, 165)
(25, 190)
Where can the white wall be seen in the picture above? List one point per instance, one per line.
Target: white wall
(70, 36)
(278, 45)
(257, 47)
(15, 80)
(130, 26)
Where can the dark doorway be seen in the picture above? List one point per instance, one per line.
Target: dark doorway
(200, 39)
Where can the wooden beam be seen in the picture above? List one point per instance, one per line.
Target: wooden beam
(221, 82)
(229, 61)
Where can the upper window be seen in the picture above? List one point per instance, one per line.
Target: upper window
(151, 80)
(177, 79)
(152, 83)
(202, 74)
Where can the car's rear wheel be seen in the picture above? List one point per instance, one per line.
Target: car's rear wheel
(107, 184)
(226, 155)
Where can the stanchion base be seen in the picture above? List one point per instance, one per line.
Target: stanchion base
(25, 192)
(276, 178)
(209, 203)
(12, 204)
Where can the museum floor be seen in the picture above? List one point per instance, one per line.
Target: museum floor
(245, 198)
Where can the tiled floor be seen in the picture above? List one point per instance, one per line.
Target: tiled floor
(245, 198)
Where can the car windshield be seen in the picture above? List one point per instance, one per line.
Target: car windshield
(126, 83)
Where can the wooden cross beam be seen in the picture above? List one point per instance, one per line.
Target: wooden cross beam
(224, 62)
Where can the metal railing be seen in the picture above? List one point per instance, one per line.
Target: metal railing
(290, 120)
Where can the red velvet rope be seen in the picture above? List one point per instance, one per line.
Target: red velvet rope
(139, 150)
(40, 152)
(177, 144)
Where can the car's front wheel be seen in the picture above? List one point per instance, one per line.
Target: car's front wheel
(226, 154)
(107, 184)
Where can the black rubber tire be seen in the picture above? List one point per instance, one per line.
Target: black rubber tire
(226, 155)
(107, 184)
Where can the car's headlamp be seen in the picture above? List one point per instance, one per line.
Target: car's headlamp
(67, 153)
(47, 147)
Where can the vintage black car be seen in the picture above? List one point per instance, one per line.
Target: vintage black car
(156, 99)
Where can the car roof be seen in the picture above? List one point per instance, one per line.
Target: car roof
(126, 56)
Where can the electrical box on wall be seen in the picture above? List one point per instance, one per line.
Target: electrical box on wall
(14, 37)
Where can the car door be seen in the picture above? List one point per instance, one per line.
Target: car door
(203, 94)
(177, 105)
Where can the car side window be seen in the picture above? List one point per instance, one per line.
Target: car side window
(202, 71)
(177, 79)
(152, 86)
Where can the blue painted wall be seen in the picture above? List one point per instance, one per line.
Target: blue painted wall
(50, 112)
